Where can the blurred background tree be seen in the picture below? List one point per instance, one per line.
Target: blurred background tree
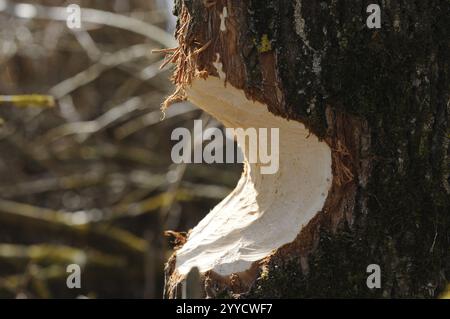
(90, 181)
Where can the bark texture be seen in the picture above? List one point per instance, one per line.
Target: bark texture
(380, 98)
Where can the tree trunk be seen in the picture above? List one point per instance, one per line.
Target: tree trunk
(378, 99)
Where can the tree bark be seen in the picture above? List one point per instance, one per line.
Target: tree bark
(379, 98)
